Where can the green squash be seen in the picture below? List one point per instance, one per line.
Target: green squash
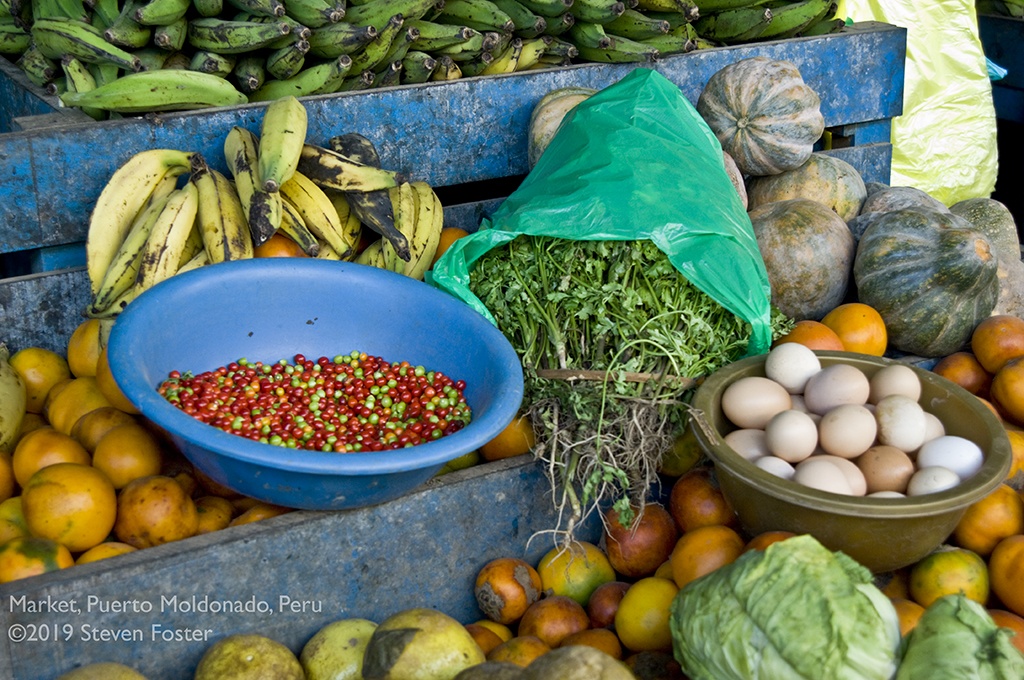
(822, 178)
(994, 220)
(547, 114)
(763, 114)
(931, 277)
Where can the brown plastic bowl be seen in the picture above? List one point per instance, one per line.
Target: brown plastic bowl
(883, 534)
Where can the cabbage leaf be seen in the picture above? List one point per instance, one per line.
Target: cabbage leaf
(795, 611)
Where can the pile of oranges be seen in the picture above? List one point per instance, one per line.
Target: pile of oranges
(89, 478)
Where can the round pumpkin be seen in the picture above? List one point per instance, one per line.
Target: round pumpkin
(547, 115)
(822, 178)
(807, 251)
(736, 177)
(994, 220)
(930, 276)
(898, 198)
(1011, 287)
(763, 114)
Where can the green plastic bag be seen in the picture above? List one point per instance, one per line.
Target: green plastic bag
(944, 142)
(634, 161)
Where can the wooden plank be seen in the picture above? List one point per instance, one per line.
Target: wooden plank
(421, 550)
(444, 133)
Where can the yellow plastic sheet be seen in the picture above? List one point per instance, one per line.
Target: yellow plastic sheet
(945, 141)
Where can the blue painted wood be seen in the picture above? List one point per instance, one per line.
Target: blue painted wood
(421, 550)
(21, 98)
(55, 258)
(447, 133)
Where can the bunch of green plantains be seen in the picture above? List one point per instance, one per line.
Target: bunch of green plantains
(613, 339)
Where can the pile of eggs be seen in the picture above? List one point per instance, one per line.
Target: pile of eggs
(835, 429)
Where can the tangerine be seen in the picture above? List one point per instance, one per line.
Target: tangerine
(84, 348)
(1007, 619)
(71, 503)
(575, 570)
(108, 385)
(103, 551)
(909, 612)
(1006, 569)
(989, 520)
(702, 550)
(90, 428)
(279, 245)
(42, 447)
(766, 538)
(860, 328)
(642, 620)
(997, 339)
(8, 484)
(553, 618)
(73, 401)
(601, 639)
(520, 650)
(154, 510)
(964, 369)
(127, 452)
(9, 530)
(485, 637)
(449, 235)
(258, 512)
(947, 571)
(515, 440)
(215, 513)
(682, 456)
(1015, 477)
(505, 588)
(502, 631)
(40, 369)
(813, 334)
(26, 556)
(639, 548)
(1007, 391)
(696, 500)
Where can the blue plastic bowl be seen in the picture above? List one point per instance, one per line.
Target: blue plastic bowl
(271, 309)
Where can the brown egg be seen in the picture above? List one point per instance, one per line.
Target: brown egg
(885, 468)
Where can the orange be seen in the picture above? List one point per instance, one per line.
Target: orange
(11, 511)
(215, 513)
(502, 631)
(31, 556)
(1006, 569)
(683, 455)
(1005, 619)
(90, 428)
(574, 570)
(553, 618)
(103, 551)
(1015, 477)
(642, 620)
(997, 339)
(602, 639)
(31, 421)
(520, 650)
(766, 538)
(9, 530)
(71, 503)
(43, 447)
(947, 571)
(127, 452)
(909, 612)
(813, 334)
(516, 439)
(702, 550)
(40, 369)
(895, 584)
(860, 328)
(109, 387)
(84, 348)
(637, 548)
(8, 485)
(696, 501)
(449, 235)
(505, 587)
(257, 512)
(73, 401)
(1007, 391)
(989, 520)
(154, 510)
(279, 245)
(485, 637)
(964, 369)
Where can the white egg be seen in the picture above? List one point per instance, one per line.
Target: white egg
(749, 443)
(931, 480)
(791, 365)
(775, 466)
(797, 400)
(820, 474)
(791, 435)
(854, 477)
(901, 422)
(750, 402)
(933, 427)
(836, 385)
(895, 379)
(847, 430)
(958, 454)
(886, 494)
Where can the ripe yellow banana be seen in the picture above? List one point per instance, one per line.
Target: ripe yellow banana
(403, 206)
(262, 208)
(200, 259)
(167, 240)
(193, 244)
(294, 227)
(282, 135)
(429, 222)
(120, 201)
(373, 255)
(220, 217)
(317, 211)
(13, 400)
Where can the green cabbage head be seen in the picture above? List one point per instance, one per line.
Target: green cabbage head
(795, 611)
